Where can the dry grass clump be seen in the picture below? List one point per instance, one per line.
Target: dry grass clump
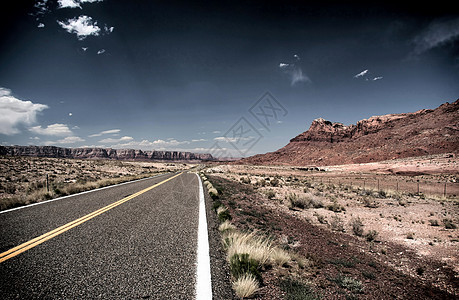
(245, 286)
(226, 226)
(257, 247)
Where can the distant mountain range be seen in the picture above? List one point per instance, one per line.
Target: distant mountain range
(378, 138)
(102, 153)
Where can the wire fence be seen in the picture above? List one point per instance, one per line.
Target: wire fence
(413, 186)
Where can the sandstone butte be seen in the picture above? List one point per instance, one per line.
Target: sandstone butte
(378, 138)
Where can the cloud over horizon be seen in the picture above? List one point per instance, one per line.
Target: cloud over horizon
(14, 112)
(53, 129)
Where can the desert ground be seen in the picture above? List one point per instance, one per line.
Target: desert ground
(25, 180)
(337, 219)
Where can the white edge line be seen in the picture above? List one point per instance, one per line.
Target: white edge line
(203, 278)
(81, 193)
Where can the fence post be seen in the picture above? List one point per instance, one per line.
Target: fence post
(47, 183)
(444, 190)
(418, 187)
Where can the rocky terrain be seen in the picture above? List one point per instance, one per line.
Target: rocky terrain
(101, 153)
(378, 138)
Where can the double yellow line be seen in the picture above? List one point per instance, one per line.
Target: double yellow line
(49, 235)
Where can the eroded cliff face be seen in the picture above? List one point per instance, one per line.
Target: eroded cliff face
(377, 138)
(101, 153)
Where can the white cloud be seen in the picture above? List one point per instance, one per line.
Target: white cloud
(361, 74)
(438, 33)
(82, 27)
(377, 78)
(198, 140)
(14, 112)
(74, 3)
(111, 131)
(101, 51)
(54, 129)
(283, 65)
(41, 25)
(112, 140)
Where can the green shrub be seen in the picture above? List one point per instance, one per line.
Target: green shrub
(241, 264)
(296, 290)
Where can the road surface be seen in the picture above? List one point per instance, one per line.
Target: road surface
(131, 241)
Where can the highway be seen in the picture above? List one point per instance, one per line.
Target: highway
(130, 241)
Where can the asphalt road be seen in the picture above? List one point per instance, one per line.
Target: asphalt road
(142, 248)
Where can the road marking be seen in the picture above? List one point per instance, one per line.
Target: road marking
(49, 235)
(81, 193)
(203, 280)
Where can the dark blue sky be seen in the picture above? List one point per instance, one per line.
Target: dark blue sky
(180, 76)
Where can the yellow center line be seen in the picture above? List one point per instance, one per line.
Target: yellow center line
(49, 235)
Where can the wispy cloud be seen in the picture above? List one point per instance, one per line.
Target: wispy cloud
(67, 140)
(294, 71)
(14, 112)
(110, 131)
(120, 140)
(101, 51)
(365, 74)
(53, 129)
(437, 33)
(83, 26)
(361, 74)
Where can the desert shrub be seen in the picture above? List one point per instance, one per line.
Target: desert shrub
(410, 235)
(420, 271)
(261, 182)
(351, 284)
(357, 226)
(321, 219)
(371, 235)
(434, 222)
(245, 180)
(336, 207)
(274, 182)
(296, 290)
(270, 194)
(336, 224)
(449, 224)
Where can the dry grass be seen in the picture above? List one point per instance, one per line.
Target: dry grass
(245, 286)
(257, 247)
(226, 226)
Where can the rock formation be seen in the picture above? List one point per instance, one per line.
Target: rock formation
(101, 153)
(378, 138)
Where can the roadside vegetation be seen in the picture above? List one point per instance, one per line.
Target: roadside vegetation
(293, 237)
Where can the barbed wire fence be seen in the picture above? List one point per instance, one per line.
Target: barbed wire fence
(446, 189)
